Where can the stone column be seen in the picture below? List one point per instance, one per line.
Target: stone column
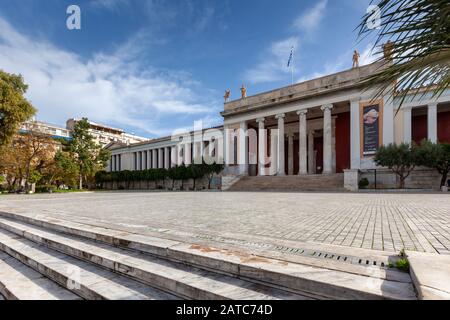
(355, 133)
(290, 153)
(180, 154)
(388, 120)
(311, 154)
(327, 137)
(174, 156)
(243, 148)
(407, 134)
(432, 123)
(262, 143)
(187, 154)
(226, 145)
(161, 158)
(303, 165)
(167, 158)
(281, 157)
(154, 159)
(149, 159)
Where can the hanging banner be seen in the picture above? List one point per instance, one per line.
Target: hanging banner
(371, 127)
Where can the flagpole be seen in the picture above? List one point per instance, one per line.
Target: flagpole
(292, 67)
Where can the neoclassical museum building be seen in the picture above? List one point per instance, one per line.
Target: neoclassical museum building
(329, 126)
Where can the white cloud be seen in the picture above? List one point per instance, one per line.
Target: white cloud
(273, 66)
(310, 20)
(335, 66)
(109, 4)
(342, 62)
(369, 56)
(109, 88)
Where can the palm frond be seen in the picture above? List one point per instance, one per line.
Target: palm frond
(420, 56)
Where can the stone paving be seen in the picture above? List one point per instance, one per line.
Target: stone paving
(388, 222)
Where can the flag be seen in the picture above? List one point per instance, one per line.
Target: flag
(290, 57)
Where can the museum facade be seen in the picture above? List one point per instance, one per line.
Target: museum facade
(329, 125)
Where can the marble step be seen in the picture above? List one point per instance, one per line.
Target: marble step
(179, 279)
(20, 282)
(291, 183)
(305, 275)
(82, 278)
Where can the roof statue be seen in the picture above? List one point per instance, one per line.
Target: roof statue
(356, 57)
(227, 95)
(388, 48)
(244, 92)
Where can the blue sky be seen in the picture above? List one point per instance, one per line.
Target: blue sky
(153, 66)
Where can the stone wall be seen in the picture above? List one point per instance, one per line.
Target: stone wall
(200, 184)
(419, 179)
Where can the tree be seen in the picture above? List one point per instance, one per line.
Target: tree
(419, 50)
(401, 159)
(211, 170)
(89, 156)
(65, 170)
(436, 156)
(14, 108)
(196, 171)
(26, 158)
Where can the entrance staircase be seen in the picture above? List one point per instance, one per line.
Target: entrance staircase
(44, 258)
(331, 182)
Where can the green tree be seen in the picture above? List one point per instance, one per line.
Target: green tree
(196, 171)
(436, 156)
(14, 108)
(401, 159)
(419, 50)
(174, 174)
(66, 170)
(89, 156)
(211, 170)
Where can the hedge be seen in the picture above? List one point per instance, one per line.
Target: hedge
(194, 171)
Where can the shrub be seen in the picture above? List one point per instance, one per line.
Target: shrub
(403, 265)
(45, 188)
(436, 156)
(194, 171)
(401, 159)
(363, 183)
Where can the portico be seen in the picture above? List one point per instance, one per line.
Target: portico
(308, 128)
(293, 143)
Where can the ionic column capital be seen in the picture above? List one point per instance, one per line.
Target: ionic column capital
(260, 120)
(327, 107)
(302, 112)
(280, 116)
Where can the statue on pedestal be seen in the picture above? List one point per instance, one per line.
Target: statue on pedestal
(388, 48)
(356, 57)
(227, 95)
(244, 92)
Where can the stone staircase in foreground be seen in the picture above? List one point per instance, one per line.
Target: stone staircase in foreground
(331, 182)
(49, 259)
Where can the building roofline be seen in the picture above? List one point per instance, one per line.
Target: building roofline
(302, 90)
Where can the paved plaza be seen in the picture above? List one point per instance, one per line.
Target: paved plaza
(388, 222)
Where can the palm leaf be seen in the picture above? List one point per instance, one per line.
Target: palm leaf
(420, 60)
